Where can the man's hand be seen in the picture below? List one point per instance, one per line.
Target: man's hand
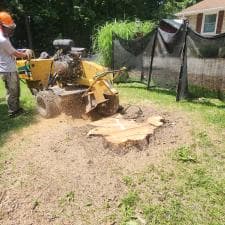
(29, 53)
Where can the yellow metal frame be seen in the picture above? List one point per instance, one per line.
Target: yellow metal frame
(41, 68)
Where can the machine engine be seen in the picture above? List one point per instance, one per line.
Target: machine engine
(67, 61)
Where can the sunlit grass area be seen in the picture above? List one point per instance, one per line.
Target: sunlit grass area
(211, 110)
(188, 187)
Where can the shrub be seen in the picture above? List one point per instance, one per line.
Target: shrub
(102, 40)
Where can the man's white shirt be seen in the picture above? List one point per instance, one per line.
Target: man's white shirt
(7, 60)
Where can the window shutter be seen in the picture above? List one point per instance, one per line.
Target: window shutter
(220, 22)
(199, 22)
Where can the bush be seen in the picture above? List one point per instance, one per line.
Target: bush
(102, 40)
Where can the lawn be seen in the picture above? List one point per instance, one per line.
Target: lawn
(187, 186)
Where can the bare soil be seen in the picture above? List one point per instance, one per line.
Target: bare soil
(55, 174)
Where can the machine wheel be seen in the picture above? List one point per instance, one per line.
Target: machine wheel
(47, 104)
(110, 107)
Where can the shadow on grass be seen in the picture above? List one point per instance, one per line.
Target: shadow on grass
(205, 102)
(163, 91)
(9, 125)
(196, 96)
(139, 85)
(203, 96)
(201, 92)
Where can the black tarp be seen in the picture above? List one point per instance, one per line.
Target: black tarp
(206, 61)
(168, 55)
(173, 57)
(135, 55)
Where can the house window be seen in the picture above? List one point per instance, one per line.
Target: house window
(210, 23)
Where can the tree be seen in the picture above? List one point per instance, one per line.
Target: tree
(170, 7)
(77, 19)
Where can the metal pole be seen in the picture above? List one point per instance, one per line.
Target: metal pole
(183, 84)
(152, 58)
(113, 63)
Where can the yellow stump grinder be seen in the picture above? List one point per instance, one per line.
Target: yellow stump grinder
(66, 81)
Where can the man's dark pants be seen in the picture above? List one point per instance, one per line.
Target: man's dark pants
(13, 90)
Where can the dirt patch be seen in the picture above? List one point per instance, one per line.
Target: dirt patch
(57, 175)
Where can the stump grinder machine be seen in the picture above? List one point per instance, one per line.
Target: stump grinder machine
(66, 82)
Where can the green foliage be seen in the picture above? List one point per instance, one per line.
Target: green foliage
(102, 43)
(128, 204)
(73, 19)
(170, 7)
(77, 19)
(170, 213)
(185, 154)
(199, 178)
(130, 200)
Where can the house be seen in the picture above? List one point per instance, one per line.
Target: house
(206, 17)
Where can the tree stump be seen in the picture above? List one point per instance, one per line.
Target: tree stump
(120, 133)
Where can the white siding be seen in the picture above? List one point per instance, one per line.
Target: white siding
(192, 21)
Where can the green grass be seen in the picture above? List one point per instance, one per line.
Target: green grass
(187, 194)
(11, 125)
(128, 205)
(210, 111)
(185, 154)
(188, 186)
